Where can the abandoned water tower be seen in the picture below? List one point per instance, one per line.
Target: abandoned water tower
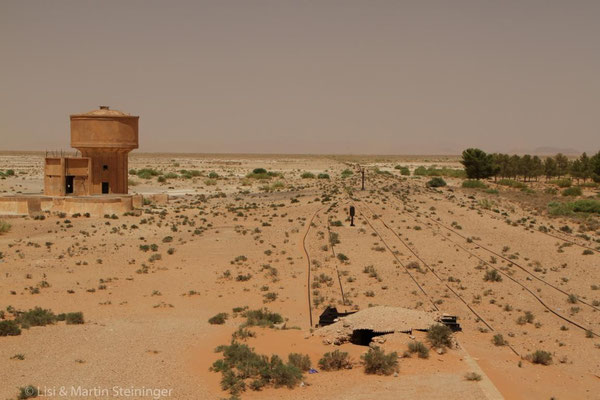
(104, 137)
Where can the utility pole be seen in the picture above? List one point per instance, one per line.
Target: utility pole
(362, 171)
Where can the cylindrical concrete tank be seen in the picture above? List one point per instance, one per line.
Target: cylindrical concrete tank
(104, 128)
(106, 136)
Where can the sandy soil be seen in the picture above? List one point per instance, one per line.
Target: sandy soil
(147, 312)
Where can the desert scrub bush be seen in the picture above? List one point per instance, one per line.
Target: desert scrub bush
(307, 175)
(512, 183)
(342, 257)
(527, 190)
(335, 361)
(526, 318)
(300, 361)
(491, 275)
(444, 171)
(35, 317)
(283, 374)
(243, 278)
(436, 182)
(578, 206)
(472, 376)
(147, 173)
(74, 318)
(28, 392)
(323, 175)
(419, 348)
(243, 334)
(9, 328)
(415, 265)
(270, 188)
(572, 191)
(557, 208)
(439, 336)
(371, 271)
(378, 363)
(4, 226)
(382, 172)
(261, 173)
(261, 317)
(347, 173)
(218, 319)
(473, 184)
(210, 182)
(185, 174)
(269, 297)
(562, 183)
(540, 357)
(498, 340)
(213, 175)
(322, 279)
(334, 238)
(240, 363)
(420, 171)
(403, 170)
(486, 204)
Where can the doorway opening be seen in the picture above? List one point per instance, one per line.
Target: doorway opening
(363, 337)
(104, 187)
(69, 184)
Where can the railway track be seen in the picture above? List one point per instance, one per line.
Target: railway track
(309, 263)
(485, 248)
(458, 296)
(526, 288)
(306, 253)
(399, 261)
(559, 236)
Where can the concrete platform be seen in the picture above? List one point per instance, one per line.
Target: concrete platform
(95, 205)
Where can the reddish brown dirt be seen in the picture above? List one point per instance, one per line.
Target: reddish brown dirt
(146, 317)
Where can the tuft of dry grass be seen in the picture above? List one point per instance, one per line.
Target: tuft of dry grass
(4, 226)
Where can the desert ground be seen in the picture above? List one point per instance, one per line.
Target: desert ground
(148, 282)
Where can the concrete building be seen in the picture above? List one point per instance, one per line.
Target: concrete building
(104, 137)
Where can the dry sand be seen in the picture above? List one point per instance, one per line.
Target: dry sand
(146, 316)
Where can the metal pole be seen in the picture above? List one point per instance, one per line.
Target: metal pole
(363, 178)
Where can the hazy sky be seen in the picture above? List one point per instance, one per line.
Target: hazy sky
(387, 77)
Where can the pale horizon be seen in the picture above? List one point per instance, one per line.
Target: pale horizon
(280, 77)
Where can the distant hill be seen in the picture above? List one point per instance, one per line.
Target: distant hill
(548, 150)
(545, 150)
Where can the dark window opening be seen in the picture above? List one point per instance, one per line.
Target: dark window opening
(363, 337)
(105, 167)
(104, 187)
(69, 184)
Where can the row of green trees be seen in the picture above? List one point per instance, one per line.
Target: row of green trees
(480, 165)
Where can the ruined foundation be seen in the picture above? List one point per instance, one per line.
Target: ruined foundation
(96, 206)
